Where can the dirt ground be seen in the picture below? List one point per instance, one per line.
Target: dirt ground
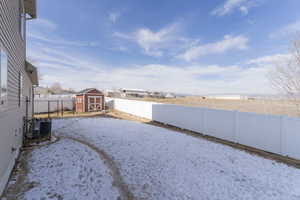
(67, 114)
(274, 107)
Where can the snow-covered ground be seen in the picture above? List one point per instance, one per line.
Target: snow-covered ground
(157, 163)
(68, 170)
(111, 158)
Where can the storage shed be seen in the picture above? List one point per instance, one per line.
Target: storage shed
(90, 100)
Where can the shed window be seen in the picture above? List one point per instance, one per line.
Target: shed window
(79, 100)
(3, 77)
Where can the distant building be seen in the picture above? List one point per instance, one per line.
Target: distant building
(112, 93)
(170, 95)
(134, 93)
(137, 93)
(159, 95)
(227, 97)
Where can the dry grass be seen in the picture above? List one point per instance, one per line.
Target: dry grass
(274, 107)
(68, 114)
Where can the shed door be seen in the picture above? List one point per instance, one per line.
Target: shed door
(94, 103)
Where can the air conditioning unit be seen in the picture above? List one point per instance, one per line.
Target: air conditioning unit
(41, 128)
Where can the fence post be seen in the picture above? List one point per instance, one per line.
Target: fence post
(74, 106)
(48, 109)
(62, 108)
(204, 122)
(282, 137)
(57, 105)
(235, 131)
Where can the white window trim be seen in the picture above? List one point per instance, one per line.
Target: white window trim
(94, 104)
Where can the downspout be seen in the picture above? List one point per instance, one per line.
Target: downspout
(32, 107)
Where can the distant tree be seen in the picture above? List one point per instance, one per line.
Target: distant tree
(286, 75)
(56, 88)
(70, 90)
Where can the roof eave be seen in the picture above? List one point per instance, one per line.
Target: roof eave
(32, 73)
(31, 8)
(85, 91)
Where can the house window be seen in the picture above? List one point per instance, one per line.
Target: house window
(22, 19)
(3, 77)
(20, 93)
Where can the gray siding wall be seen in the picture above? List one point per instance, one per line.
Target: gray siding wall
(11, 116)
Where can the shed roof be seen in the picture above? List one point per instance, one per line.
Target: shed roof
(30, 8)
(88, 90)
(32, 73)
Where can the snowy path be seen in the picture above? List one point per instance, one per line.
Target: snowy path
(157, 163)
(114, 171)
(68, 170)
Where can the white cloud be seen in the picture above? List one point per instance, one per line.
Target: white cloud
(287, 31)
(169, 78)
(58, 40)
(169, 41)
(70, 66)
(45, 30)
(45, 24)
(62, 57)
(114, 16)
(271, 59)
(74, 70)
(231, 5)
(122, 36)
(244, 10)
(120, 48)
(228, 43)
(154, 42)
(157, 43)
(228, 7)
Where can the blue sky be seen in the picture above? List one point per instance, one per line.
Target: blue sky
(198, 47)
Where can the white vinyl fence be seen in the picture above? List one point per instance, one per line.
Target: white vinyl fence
(42, 105)
(276, 134)
(138, 108)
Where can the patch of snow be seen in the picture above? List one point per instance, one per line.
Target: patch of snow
(157, 163)
(68, 170)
